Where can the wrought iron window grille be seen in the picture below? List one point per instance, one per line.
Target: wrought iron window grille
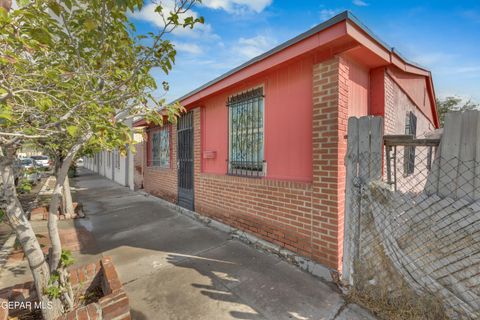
(246, 137)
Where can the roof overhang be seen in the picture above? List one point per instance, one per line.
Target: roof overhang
(338, 32)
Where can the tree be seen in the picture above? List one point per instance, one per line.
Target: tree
(72, 73)
(453, 104)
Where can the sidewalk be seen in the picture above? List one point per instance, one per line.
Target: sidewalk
(174, 267)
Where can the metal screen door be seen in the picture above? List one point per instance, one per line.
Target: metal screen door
(185, 161)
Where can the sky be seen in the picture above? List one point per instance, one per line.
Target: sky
(443, 36)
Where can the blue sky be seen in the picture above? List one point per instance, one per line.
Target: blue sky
(443, 36)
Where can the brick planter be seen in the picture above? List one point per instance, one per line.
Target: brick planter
(113, 303)
(41, 213)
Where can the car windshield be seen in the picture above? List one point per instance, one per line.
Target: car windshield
(40, 157)
(26, 162)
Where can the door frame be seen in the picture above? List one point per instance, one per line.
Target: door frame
(186, 197)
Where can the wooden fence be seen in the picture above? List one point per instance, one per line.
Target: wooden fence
(363, 163)
(425, 224)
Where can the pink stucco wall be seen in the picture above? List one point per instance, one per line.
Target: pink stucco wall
(358, 89)
(287, 126)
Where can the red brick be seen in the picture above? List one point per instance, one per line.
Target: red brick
(283, 212)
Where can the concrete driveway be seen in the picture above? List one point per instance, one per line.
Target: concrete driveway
(174, 267)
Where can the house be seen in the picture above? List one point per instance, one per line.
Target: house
(262, 147)
(115, 166)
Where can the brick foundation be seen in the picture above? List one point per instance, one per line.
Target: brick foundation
(304, 217)
(162, 182)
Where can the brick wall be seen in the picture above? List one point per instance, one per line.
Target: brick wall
(330, 116)
(397, 104)
(162, 182)
(278, 211)
(306, 218)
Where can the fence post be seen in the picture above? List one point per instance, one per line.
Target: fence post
(351, 201)
(363, 162)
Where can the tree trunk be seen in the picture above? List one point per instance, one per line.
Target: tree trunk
(56, 249)
(67, 198)
(26, 236)
(60, 175)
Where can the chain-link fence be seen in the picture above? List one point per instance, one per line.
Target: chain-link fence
(417, 224)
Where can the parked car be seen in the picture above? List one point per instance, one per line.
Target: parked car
(42, 161)
(79, 162)
(30, 170)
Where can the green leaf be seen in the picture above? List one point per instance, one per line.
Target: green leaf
(55, 7)
(6, 113)
(90, 25)
(3, 13)
(72, 130)
(159, 9)
(66, 258)
(45, 103)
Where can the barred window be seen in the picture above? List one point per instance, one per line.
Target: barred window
(246, 141)
(160, 148)
(409, 156)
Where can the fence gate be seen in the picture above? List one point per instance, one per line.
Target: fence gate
(185, 161)
(363, 162)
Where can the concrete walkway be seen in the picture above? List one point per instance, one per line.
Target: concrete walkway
(174, 267)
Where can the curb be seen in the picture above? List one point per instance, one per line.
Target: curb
(42, 191)
(303, 263)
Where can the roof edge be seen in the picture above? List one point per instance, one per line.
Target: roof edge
(343, 16)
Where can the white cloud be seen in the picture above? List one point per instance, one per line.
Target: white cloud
(360, 3)
(190, 48)
(326, 14)
(238, 6)
(252, 47)
(148, 14)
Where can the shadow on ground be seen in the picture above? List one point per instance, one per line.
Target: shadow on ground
(175, 268)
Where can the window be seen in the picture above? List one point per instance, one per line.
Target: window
(160, 148)
(409, 156)
(245, 112)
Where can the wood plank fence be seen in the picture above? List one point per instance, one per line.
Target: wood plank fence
(427, 228)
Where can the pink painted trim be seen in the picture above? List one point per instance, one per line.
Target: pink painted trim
(307, 45)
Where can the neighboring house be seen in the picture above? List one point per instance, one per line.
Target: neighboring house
(262, 147)
(114, 166)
